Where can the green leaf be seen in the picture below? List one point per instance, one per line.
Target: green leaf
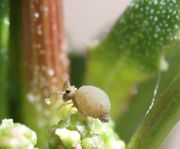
(132, 50)
(129, 121)
(159, 121)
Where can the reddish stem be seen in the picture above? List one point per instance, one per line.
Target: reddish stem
(45, 63)
(44, 53)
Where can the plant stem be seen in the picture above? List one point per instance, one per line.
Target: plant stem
(14, 65)
(159, 121)
(43, 43)
(4, 34)
(41, 59)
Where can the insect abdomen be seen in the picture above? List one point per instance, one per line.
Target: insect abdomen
(92, 101)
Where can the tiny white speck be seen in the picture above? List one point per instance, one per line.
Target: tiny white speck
(48, 101)
(36, 15)
(155, 18)
(155, 2)
(46, 9)
(152, 11)
(39, 32)
(176, 26)
(50, 72)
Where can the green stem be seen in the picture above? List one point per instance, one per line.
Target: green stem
(159, 121)
(14, 65)
(129, 121)
(4, 34)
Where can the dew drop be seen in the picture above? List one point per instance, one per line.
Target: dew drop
(36, 15)
(39, 31)
(155, 18)
(46, 9)
(176, 26)
(155, 2)
(50, 72)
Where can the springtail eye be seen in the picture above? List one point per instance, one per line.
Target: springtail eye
(68, 91)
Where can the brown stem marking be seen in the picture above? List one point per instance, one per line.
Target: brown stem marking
(45, 63)
(44, 53)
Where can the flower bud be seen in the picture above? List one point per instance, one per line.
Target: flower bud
(16, 136)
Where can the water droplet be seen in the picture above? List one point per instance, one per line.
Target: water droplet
(176, 26)
(39, 30)
(155, 2)
(36, 15)
(50, 72)
(155, 18)
(46, 9)
(152, 11)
